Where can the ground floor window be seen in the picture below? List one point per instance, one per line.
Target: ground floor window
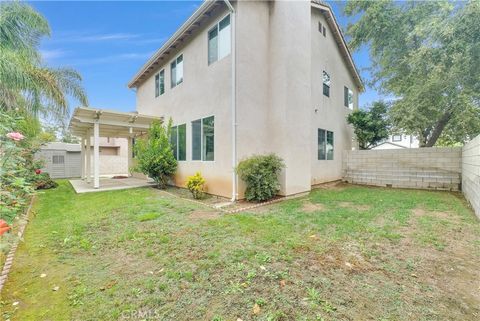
(178, 140)
(203, 139)
(325, 144)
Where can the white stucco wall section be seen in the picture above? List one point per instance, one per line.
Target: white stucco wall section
(329, 113)
(280, 57)
(205, 91)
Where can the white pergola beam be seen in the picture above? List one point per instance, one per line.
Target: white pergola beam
(111, 122)
(96, 155)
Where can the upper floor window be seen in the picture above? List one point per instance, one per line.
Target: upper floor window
(160, 83)
(203, 139)
(326, 84)
(347, 97)
(219, 40)
(322, 29)
(325, 144)
(396, 138)
(176, 71)
(178, 141)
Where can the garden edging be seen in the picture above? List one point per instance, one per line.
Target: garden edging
(9, 260)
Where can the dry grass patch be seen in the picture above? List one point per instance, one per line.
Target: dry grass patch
(310, 207)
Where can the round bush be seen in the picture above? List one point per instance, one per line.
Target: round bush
(260, 173)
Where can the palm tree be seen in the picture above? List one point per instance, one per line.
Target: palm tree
(25, 82)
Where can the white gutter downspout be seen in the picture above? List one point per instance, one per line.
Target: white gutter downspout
(233, 105)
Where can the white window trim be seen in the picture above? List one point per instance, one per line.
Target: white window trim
(217, 25)
(201, 141)
(183, 73)
(326, 157)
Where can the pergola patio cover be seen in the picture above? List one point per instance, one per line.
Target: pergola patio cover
(90, 122)
(111, 123)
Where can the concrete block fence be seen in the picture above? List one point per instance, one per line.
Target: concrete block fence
(471, 173)
(424, 168)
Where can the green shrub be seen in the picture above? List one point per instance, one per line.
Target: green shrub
(196, 185)
(260, 173)
(154, 154)
(43, 181)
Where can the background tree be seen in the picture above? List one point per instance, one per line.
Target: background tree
(427, 55)
(154, 154)
(25, 82)
(370, 126)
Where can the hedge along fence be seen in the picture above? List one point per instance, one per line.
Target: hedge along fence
(425, 168)
(471, 173)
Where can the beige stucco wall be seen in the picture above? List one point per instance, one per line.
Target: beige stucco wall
(275, 97)
(424, 168)
(111, 165)
(205, 91)
(471, 173)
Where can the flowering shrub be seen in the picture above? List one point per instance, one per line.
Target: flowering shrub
(43, 181)
(16, 167)
(196, 185)
(15, 136)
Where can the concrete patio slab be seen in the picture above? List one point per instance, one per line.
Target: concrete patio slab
(109, 184)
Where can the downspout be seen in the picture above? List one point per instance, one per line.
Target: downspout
(233, 104)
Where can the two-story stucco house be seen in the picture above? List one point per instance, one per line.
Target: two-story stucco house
(252, 77)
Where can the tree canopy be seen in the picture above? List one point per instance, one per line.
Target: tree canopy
(427, 55)
(25, 81)
(370, 126)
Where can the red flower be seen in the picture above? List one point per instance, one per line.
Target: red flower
(38, 171)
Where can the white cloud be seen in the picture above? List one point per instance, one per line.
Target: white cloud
(85, 36)
(111, 58)
(52, 54)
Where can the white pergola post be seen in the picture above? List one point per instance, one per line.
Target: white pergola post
(82, 157)
(129, 154)
(88, 156)
(96, 154)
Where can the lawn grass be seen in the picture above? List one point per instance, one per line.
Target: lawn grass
(342, 253)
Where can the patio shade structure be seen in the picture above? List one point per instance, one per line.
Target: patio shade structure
(90, 122)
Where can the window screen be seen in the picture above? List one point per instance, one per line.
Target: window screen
(176, 71)
(161, 83)
(58, 159)
(325, 145)
(208, 140)
(182, 142)
(197, 139)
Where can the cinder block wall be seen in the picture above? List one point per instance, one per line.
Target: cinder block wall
(424, 168)
(471, 173)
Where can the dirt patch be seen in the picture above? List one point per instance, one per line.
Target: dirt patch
(419, 212)
(353, 206)
(309, 207)
(203, 215)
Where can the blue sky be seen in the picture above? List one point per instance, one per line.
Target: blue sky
(107, 42)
